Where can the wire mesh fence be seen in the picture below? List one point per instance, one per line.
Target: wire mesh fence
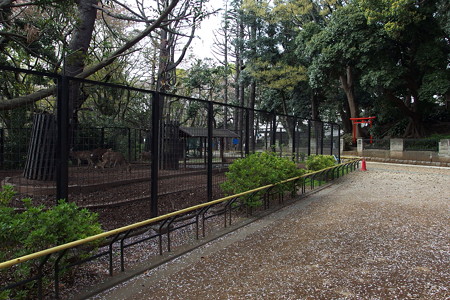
(376, 144)
(103, 145)
(429, 144)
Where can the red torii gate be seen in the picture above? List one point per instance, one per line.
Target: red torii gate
(366, 120)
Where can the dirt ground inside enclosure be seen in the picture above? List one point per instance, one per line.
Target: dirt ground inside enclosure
(110, 192)
(380, 234)
(113, 216)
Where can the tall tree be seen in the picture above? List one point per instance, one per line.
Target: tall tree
(339, 51)
(86, 12)
(412, 67)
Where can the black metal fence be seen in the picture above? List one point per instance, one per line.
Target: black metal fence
(429, 144)
(159, 235)
(171, 153)
(376, 144)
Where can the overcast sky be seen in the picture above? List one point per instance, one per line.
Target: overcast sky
(202, 45)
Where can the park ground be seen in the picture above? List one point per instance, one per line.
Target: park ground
(378, 234)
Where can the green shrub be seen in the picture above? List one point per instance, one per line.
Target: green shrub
(348, 141)
(319, 162)
(37, 228)
(257, 170)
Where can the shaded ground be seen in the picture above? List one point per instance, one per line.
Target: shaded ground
(111, 191)
(381, 234)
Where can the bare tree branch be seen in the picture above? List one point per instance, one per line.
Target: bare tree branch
(11, 34)
(120, 16)
(41, 94)
(128, 9)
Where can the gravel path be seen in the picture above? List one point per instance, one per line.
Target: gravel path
(380, 234)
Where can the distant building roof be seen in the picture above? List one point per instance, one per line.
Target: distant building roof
(203, 132)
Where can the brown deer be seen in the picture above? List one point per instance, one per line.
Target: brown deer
(97, 154)
(111, 159)
(81, 156)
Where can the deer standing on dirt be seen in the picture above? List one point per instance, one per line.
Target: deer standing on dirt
(97, 154)
(81, 156)
(112, 159)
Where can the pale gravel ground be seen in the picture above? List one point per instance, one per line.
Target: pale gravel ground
(380, 234)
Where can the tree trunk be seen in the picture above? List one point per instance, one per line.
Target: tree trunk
(162, 83)
(225, 59)
(345, 116)
(288, 122)
(241, 85)
(237, 90)
(252, 96)
(347, 85)
(415, 128)
(314, 106)
(251, 105)
(41, 94)
(77, 51)
(74, 62)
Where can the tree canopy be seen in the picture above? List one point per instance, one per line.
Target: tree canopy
(318, 59)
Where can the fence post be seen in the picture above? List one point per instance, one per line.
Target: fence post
(331, 139)
(309, 137)
(322, 134)
(129, 144)
(247, 132)
(339, 143)
(210, 149)
(273, 133)
(62, 153)
(294, 133)
(155, 155)
(2, 148)
(102, 137)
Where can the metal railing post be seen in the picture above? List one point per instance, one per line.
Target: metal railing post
(56, 270)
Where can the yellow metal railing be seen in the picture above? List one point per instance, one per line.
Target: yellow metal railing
(106, 234)
(126, 229)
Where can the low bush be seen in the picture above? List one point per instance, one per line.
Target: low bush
(37, 228)
(348, 141)
(319, 162)
(257, 170)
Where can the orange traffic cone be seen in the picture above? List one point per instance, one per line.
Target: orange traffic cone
(363, 165)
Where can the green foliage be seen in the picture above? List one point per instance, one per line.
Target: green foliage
(257, 170)
(278, 76)
(37, 228)
(348, 140)
(440, 136)
(6, 195)
(426, 144)
(319, 162)
(395, 16)
(396, 47)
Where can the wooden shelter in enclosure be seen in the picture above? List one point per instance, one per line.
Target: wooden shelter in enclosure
(200, 135)
(181, 143)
